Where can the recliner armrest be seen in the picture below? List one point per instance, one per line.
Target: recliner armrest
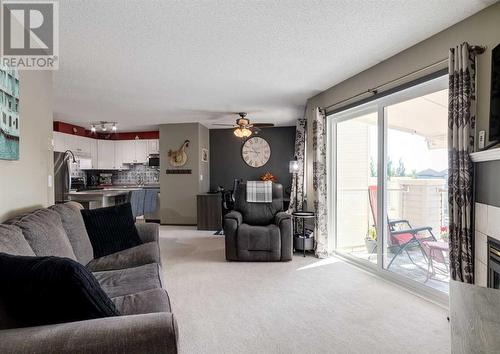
(281, 216)
(235, 215)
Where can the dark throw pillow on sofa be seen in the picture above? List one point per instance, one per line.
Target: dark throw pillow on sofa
(47, 290)
(111, 229)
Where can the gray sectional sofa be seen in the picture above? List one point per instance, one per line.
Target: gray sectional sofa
(131, 278)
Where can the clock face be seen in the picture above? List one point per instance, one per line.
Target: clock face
(256, 152)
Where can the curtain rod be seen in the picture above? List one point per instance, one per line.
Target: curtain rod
(477, 49)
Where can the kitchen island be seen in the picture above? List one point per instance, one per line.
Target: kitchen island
(99, 198)
(106, 196)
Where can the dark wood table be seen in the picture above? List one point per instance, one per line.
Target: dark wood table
(209, 211)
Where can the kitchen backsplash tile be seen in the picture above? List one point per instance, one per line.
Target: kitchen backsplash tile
(137, 174)
(76, 172)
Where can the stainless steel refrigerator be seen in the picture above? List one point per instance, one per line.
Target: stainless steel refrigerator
(62, 176)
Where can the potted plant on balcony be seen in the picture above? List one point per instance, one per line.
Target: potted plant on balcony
(371, 240)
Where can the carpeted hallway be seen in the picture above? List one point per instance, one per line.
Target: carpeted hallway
(304, 306)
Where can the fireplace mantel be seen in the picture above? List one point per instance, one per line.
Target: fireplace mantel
(487, 155)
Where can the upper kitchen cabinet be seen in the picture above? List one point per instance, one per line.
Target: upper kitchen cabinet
(106, 155)
(141, 151)
(94, 153)
(59, 142)
(134, 151)
(153, 146)
(122, 154)
(79, 145)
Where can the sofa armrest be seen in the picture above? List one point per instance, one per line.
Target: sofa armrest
(281, 216)
(146, 333)
(235, 215)
(148, 232)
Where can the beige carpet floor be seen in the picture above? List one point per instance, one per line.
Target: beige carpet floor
(303, 306)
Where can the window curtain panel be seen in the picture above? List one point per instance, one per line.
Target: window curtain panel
(461, 133)
(319, 184)
(298, 178)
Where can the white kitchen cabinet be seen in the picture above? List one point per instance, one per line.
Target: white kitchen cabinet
(94, 153)
(106, 155)
(134, 151)
(121, 150)
(79, 145)
(128, 151)
(59, 142)
(153, 146)
(83, 146)
(141, 151)
(74, 143)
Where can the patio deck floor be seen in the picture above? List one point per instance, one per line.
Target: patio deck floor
(403, 266)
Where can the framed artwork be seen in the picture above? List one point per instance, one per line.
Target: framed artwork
(204, 155)
(9, 113)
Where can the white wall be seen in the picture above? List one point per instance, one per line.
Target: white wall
(24, 183)
(487, 224)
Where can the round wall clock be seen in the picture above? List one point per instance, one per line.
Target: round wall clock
(256, 152)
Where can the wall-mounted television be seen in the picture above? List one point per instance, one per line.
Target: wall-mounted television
(495, 95)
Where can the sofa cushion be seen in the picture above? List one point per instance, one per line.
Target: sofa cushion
(45, 233)
(131, 257)
(13, 242)
(47, 290)
(259, 238)
(74, 226)
(129, 281)
(111, 229)
(149, 301)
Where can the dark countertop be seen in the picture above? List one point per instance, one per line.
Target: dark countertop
(101, 193)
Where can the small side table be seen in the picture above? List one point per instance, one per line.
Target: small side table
(301, 240)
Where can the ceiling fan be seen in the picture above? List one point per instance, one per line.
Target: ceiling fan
(244, 128)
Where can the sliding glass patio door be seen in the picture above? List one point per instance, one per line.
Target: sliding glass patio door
(416, 182)
(388, 201)
(356, 165)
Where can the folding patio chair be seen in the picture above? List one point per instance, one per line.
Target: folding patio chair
(435, 252)
(398, 237)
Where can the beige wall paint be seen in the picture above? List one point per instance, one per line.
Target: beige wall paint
(482, 28)
(24, 183)
(178, 192)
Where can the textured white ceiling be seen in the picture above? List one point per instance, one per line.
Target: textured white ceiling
(144, 63)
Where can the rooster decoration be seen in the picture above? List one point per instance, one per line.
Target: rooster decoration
(178, 158)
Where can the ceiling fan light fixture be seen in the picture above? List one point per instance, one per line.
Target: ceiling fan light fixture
(243, 121)
(246, 132)
(238, 132)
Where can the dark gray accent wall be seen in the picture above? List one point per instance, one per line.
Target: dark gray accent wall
(226, 163)
(488, 183)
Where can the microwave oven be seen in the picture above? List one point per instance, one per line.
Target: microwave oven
(154, 160)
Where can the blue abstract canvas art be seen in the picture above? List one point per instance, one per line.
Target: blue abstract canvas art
(9, 113)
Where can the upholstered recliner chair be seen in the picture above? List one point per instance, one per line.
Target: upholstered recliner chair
(258, 231)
